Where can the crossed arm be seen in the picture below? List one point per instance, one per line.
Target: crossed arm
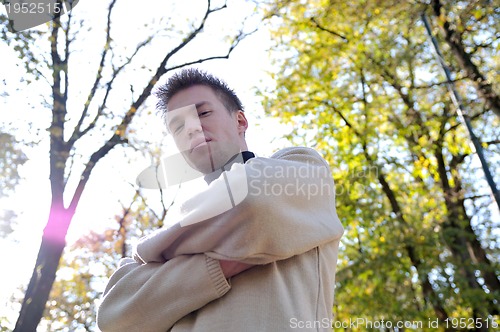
(184, 268)
(153, 296)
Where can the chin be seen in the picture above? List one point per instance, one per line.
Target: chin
(204, 166)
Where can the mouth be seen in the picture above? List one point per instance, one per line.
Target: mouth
(198, 143)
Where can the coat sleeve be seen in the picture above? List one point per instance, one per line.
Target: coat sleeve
(153, 296)
(288, 209)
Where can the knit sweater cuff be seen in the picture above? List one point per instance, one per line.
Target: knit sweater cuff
(215, 271)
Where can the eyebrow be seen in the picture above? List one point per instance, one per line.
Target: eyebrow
(202, 103)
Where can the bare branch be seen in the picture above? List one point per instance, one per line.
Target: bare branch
(457, 160)
(77, 131)
(109, 86)
(66, 53)
(160, 218)
(317, 25)
(237, 40)
(494, 142)
(476, 197)
(122, 229)
(472, 118)
(160, 72)
(346, 121)
(71, 159)
(210, 11)
(429, 86)
(485, 45)
(96, 156)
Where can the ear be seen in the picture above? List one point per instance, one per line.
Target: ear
(242, 122)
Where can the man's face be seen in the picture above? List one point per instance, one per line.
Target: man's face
(206, 134)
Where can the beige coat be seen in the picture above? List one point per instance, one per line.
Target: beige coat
(284, 221)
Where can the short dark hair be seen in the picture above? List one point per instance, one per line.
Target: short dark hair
(191, 77)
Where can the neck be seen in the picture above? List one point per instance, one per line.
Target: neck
(241, 158)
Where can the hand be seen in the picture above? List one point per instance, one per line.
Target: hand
(232, 268)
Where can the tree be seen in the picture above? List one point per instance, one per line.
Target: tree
(359, 82)
(95, 119)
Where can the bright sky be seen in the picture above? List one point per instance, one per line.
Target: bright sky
(109, 185)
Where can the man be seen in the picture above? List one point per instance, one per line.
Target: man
(255, 251)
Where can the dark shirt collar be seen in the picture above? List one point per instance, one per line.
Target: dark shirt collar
(247, 155)
(241, 158)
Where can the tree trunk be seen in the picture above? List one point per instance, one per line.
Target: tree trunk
(44, 272)
(430, 296)
(478, 255)
(458, 235)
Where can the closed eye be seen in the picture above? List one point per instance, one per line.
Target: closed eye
(204, 113)
(178, 128)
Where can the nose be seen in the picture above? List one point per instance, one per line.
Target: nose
(193, 125)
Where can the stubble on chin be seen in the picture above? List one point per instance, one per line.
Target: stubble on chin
(203, 164)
